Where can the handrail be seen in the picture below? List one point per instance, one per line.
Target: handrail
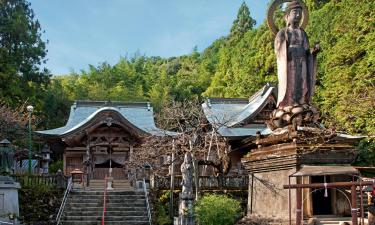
(104, 200)
(147, 202)
(62, 206)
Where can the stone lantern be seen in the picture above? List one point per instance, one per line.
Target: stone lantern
(46, 158)
(6, 161)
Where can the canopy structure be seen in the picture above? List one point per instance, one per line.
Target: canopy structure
(307, 170)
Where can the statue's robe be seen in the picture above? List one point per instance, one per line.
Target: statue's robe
(296, 68)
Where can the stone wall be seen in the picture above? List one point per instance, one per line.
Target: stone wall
(269, 198)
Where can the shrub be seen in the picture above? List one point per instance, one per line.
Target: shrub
(161, 205)
(55, 166)
(217, 210)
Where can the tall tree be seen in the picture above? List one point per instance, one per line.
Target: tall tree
(22, 52)
(243, 23)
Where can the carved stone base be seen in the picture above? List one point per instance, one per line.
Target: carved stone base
(185, 210)
(299, 115)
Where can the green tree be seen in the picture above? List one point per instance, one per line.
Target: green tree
(22, 52)
(243, 23)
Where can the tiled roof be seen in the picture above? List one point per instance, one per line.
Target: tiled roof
(140, 115)
(227, 114)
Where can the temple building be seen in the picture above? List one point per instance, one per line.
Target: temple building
(239, 120)
(100, 135)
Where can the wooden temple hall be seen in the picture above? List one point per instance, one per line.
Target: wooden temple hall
(100, 135)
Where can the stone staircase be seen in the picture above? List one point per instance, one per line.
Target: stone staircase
(124, 206)
(334, 220)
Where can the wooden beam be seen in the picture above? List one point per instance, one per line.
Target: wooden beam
(329, 185)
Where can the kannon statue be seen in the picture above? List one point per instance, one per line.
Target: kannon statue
(296, 68)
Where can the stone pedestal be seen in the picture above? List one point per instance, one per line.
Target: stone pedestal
(9, 206)
(185, 209)
(278, 156)
(186, 203)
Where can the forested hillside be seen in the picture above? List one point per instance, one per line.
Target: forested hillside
(236, 65)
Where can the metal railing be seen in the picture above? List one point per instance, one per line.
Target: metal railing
(147, 202)
(104, 200)
(62, 206)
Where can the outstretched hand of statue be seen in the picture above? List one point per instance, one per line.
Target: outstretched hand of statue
(316, 48)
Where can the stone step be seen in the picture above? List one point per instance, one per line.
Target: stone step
(109, 193)
(100, 208)
(97, 204)
(114, 181)
(110, 199)
(106, 222)
(112, 212)
(107, 217)
(142, 213)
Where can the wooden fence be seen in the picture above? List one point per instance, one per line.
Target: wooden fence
(205, 182)
(58, 181)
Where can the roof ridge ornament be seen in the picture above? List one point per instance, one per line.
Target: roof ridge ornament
(108, 120)
(209, 102)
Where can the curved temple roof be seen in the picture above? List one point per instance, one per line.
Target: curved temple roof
(139, 115)
(227, 114)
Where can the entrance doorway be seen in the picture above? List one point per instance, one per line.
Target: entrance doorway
(322, 205)
(102, 170)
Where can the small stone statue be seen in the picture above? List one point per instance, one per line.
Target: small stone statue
(185, 210)
(296, 71)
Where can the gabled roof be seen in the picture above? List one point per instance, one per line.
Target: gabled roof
(228, 115)
(139, 115)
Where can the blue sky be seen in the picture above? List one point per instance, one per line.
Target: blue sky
(83, 32)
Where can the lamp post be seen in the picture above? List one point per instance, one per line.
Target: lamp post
(30, 109)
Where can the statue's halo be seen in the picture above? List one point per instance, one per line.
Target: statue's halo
(273, 7)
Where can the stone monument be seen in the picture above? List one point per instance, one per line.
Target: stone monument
(185, 209)
(9, 206)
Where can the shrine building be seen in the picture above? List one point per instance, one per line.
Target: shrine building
(100, 135)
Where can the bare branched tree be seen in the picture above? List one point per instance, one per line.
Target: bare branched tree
(193, 134)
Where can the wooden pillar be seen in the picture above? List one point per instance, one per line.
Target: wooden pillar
(130, 152)
(64, 162)
(89, 161)
(299, 207)
(171, 210)
(290, 203)
(132, 172)
(354, 205)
